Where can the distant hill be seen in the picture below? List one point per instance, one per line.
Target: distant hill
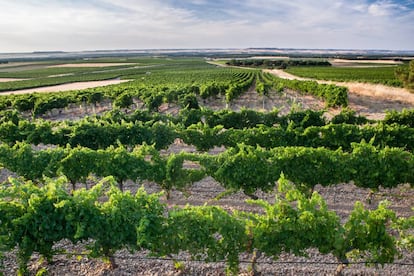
(211, 53)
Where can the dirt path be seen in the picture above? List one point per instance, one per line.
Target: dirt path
(371, 100)
(65, 87)
(284, 75)
(10, 79)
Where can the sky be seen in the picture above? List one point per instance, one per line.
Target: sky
(78, 25)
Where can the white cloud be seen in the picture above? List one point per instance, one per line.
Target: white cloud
(383, 8)
(29, 25)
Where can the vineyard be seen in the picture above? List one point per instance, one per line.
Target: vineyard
(157, 173)
(381, 75)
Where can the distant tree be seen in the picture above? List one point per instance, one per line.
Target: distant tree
(284, 65)
(406, 75)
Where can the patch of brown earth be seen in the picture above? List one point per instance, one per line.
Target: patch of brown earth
(10, 79)
(65, 87)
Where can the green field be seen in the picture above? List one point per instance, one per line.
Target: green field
(380, 75)
(40, 74)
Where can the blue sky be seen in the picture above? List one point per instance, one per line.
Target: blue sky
(72, 25)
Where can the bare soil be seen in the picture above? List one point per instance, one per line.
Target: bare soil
(65, 87)
(10, 79)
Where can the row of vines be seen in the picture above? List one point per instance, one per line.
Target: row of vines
(206, 129)
(154, 90)
(34, 219)
(243, 167)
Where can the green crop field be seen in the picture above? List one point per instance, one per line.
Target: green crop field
(381, 75)
(40, 74)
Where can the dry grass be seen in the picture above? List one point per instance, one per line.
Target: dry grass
(380, 92)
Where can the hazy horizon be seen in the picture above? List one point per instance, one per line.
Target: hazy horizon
(76, 25)
(248, 50)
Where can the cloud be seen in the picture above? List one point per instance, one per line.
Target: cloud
(28, 25)
(383, 8)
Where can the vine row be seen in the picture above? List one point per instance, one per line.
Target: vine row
(218, 129)
(243, 167)
(105, 220)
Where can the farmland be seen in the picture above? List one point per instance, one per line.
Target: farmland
(252, 168)
(375, 71)
(40, 74)
(379, 75)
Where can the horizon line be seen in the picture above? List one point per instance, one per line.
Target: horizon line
(208, 49)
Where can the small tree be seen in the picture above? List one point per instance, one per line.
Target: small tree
(406, 75)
